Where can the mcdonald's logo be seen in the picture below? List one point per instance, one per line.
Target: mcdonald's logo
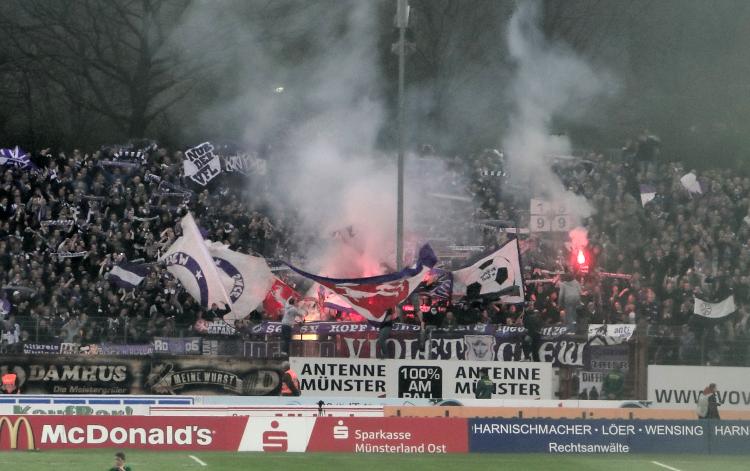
(14, 428)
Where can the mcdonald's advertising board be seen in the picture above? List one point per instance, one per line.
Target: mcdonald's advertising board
(157, 433)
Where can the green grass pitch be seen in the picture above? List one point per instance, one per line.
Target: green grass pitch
(101, 460)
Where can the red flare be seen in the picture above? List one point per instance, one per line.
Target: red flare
(581, 258)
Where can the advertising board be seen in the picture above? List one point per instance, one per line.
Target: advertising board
(62, 409)
(356, 435)
(43, 432)
(608, 436)
(80, 374)
(372, 434)
(432, 379)
(394, 435)
(678, 387)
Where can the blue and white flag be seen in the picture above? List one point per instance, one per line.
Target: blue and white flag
(16, 158)
(372, 296)
(246, 279)
(497, 275)
(128, 275)
(437, 284)
(648, 193)
(714, 310)
(189, 260)
(5, 307)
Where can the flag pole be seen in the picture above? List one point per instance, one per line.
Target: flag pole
(402, 20)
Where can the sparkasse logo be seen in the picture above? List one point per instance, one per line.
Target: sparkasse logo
(340, 431)
(275, 440)
(94, 434)
(14, 429)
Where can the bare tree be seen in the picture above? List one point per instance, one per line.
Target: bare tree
(120, 59)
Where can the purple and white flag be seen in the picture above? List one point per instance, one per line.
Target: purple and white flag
(5, 307)
(189, 260)
(128, 275)
(16, 158)
(246, 279)
(648, 193)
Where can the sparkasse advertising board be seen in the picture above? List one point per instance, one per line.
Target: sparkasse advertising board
(356, 435)
(433, 379)
(395, 435)
(678, 387)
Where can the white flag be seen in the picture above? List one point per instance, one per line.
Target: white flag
(246, 279)
(497, 275)
(189, 261)
(610, 334)
(691, 183)
(189, 168)
(714, 310)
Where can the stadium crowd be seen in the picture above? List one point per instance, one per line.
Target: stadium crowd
(63, 227)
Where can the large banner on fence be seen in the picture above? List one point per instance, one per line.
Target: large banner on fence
(420, 378)
(77, 374)
(177, 345)
(678, 386)
(503, 343)
(472, 342)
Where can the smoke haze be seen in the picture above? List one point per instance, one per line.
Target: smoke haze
(549, 81)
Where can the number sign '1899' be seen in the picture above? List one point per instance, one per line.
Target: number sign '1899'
(546, 216)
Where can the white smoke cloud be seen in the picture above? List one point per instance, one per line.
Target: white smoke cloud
(550, 81)
(312, 74)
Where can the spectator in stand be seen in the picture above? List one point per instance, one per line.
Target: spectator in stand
(62, 228)
(384, 333)
(429, 320)
(570, 298)
(291, 317)
(9, 381)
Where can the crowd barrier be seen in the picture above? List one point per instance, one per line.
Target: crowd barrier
(485, 342)
(373, 434)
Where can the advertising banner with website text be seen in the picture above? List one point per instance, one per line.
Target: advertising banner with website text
(678, 387)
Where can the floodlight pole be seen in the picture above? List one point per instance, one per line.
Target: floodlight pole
(402, 21)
